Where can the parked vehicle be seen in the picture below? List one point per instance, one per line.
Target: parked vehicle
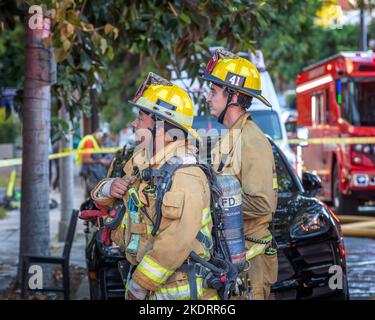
(308, 236)
(336, 98)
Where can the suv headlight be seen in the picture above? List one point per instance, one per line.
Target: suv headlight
(310, 223)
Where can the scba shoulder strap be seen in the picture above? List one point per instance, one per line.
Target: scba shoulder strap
(219, 272)
(162, 180)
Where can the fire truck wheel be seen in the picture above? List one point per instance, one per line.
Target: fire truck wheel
(342, 203)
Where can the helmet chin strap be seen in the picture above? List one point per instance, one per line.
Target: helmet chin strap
(151, 144)
(153, 135)
(153, 132)
(221, 117)
(153, 129)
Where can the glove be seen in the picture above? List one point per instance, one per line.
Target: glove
(135, 292)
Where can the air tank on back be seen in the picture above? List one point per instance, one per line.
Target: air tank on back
(232, 218)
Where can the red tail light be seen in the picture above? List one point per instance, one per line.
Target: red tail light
(342, 250)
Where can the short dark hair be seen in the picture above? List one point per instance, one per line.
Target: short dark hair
(243, 100)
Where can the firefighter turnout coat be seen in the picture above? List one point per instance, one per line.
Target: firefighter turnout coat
(246, 153)
(185, 212)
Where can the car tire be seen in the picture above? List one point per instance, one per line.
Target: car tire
(94, 287)
(344, 294)
(342, 204)
(346, 289)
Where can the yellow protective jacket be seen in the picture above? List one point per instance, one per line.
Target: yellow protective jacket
(81, 147)
(185, 212)
(246, 153)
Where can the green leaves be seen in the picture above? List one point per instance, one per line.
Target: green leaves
(291, 41)
(10, 128)
(81, 47)
(85, 60)
(283, 42)
(184, 18)
(12, 59)
(161, 36)
(127, 39)
(110, 53)
(66, 44)
(103, 45)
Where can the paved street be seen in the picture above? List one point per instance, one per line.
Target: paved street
(361, 267)
(9, 239)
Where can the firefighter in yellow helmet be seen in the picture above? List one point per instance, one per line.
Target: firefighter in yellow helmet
(246, 153)
(94, 166)
(158, 243)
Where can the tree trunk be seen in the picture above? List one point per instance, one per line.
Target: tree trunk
(95, 121)
(66, 178)
(35, 230)
(86, 121)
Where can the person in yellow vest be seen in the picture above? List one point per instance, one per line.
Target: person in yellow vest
(246, 153)
(159, 254)
(94, 165)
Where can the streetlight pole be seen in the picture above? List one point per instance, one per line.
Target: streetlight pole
(66, 177)
(363, 31)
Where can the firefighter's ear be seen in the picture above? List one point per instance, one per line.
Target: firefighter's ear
(235, 98)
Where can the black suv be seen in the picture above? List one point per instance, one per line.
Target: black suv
(308, 234)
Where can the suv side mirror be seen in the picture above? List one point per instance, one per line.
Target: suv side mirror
(311, 183)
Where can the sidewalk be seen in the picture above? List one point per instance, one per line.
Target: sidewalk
(9, 243)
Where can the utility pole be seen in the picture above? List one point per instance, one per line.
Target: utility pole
(66, 177)
(363, 30)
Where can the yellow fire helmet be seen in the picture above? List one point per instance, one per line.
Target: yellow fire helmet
(239, 74)
(166, 101)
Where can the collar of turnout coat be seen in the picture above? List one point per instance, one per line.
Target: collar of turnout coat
(179, 148)
(225, 146)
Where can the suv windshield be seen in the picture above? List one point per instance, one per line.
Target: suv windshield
(358, 101)
(285, 180)
(268, 121)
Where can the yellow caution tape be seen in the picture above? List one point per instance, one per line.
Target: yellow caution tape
(68, 152)
(12, 181)
(64, 153)
(10, 162)
(351, 140)
(60, 155)
(86, 150)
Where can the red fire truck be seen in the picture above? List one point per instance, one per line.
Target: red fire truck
(336, 98)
